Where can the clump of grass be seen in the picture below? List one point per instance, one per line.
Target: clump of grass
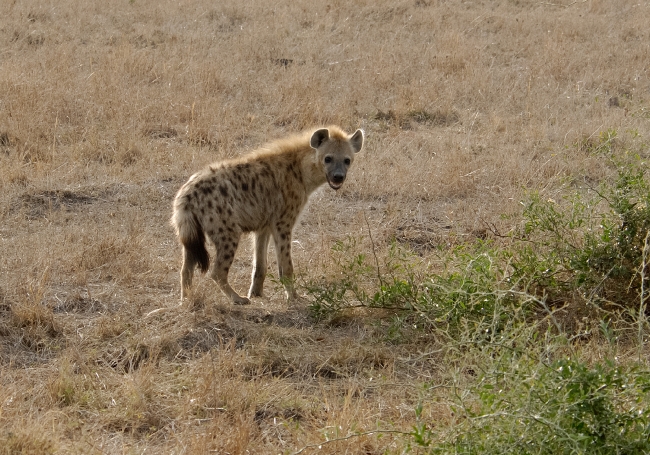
(30, 314)
(160, 132)
(438, 117)
(7, 141)
(26, 443)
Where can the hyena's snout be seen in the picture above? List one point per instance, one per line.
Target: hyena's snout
(336, 180)
(336, 176)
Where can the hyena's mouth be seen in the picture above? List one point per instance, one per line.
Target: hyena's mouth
(335, 186)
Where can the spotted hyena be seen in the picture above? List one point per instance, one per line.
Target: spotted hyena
(263, 192)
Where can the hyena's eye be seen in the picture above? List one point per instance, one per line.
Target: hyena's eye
(347, 161)
(328, 159)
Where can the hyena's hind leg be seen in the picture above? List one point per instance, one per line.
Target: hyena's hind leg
(187, 271)
(226, 248)
(194, 254)
(260, 262)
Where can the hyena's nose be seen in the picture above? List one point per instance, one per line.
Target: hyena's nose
(338, 178)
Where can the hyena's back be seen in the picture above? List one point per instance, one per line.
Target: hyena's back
(263, 192)
(244, 195)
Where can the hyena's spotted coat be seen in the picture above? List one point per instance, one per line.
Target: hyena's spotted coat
(263, 192)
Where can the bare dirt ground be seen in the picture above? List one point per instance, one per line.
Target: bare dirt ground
(106, 108)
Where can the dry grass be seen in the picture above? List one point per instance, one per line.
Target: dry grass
(107, 107)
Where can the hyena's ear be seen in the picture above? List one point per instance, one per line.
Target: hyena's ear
(319, 137)
(356, 141)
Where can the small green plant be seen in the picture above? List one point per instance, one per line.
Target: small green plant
(603, 144)
(330, 297)
(473, 288)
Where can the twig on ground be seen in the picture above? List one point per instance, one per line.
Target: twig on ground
(350, 436)
(563, 6)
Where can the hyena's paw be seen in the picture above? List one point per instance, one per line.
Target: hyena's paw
(255, 292)
(293, 299)
(186, 296)
(237, 300)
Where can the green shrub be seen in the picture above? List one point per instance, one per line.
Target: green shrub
(473, 289)
(564, 407)
(594, 242)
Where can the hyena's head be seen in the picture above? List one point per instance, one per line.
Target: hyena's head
(335, 153)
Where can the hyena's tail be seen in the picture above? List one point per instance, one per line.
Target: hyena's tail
(191, 235)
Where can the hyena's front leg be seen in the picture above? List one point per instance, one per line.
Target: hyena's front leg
(282, 239)
(260, 262)
(226, 247)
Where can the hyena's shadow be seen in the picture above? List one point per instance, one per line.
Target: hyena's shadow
(295, 316)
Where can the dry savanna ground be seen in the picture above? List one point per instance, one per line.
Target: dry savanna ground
(107, 107)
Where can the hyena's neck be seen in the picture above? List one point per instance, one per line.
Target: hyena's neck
(312, 173)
